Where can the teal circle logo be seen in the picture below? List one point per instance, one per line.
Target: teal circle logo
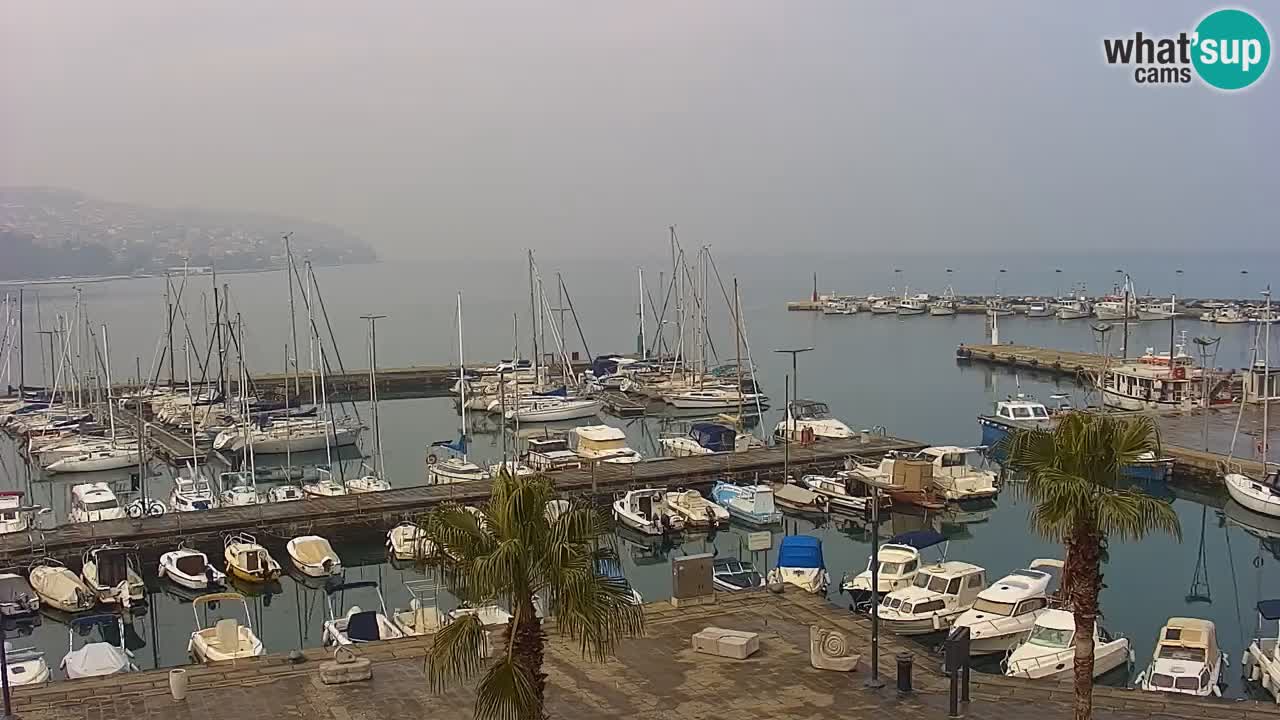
(1232, 49)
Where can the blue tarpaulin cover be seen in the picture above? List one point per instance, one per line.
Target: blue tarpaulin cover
(800, 551)
(918, 539)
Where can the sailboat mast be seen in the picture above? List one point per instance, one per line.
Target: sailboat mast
(313, 338)
(22, 348)
(737, 335)
(191, 405)
(111, 408)
(533, 320)
(640, 304)
(289, 271)
(1124, 346)
(373, 392)
(1266, 381)
(168, 303)
(462, 378)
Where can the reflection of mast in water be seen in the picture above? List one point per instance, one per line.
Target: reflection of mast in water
(1200, 590)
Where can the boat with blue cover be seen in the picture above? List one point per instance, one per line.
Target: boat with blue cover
(800, 563)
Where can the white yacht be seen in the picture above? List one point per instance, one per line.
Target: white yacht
(603, 443)
(955, 476)
(1261, 496)
(453, 469)
(13, 517)
(1186, 661)
(552, 409)
(288, 435)
(899, 560)
(285, 493)
(92, 502)
(1040, 309)
(1002, 616)
(647, 510)
(811, 416)
(751, 504)
(937, 596)
(1158, 311)
(107, 458)
(711, 398)
(1049, 650)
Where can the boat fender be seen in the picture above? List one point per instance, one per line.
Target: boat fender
(432, 459)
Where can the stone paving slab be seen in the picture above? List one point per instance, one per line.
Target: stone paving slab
(658, 676)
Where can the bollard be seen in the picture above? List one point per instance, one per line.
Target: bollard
(904, 673)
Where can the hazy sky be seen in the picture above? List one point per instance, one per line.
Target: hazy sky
(444, 127)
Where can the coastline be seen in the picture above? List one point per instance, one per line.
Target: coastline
(143, 276)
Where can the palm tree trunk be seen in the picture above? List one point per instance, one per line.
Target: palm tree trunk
(1083, 568)
(527, 649)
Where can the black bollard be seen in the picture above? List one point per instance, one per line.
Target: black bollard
(904, 672)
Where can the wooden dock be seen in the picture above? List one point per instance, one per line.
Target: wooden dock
(1048, 360)
(380, 511)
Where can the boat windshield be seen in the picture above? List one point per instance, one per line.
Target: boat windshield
(1174, 652)
(1180, 682)
(101, 504)
(893, 568)
(933, 582)
(1051, 637)
(992, 607)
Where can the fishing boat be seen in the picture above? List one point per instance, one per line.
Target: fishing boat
(99, 658)
(249, 561)
(800, 563)
(1158, 311)
(93, 502)
(705, 438)
(750, 504)
(238, 489)
(954, 474)
(1115, 310)
(111, 572)
(603, 443)
(908, 480)
(946, 306)
(1010, 416)
(899, 561)
(1004, 614)
(357, 625)
(59, 587)
(191, 494)
(25, 666)
(1151, 386)
(1261, 661)
(733, 575)
(937, 597)
(1073, 309)
(190, 569)
(1040, 309)
(552, 409)
(810, 417)
(842, 493)
(695, 510)
(1226, 316)
(839, 307)
(1186, 661)
(1049, 650)
(313, 556)
(14, 517)
(228, 638)
(912, 305)
(883, 306)
(646, 510)
(408, 541)
(17, 598)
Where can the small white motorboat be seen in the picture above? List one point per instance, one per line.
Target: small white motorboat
(285, 493)
(751, 504)
(14, 517)
(111, 572)
(646, 510)
(1186, 661)
(695, 510)
(92, 502)
(899, 561)
(313, 555)
(843, 493)
(937, 596)
(1049, 651)
(810, 416)
(357, 625)
(249, 561)
(192, 494)
(190, 569)
(407, 541)
(238, 489)
(59, 587)
(1004, 613)
(1261, 496)
(98, 658)
(26, 666)
(227, 638)
(17, 598)
(423, 616)
(705, 438)
(800, 563)
(1261, 661)
(453, 470)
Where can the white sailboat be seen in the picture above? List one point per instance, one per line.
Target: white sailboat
(1262, 494)
(375, 480)
(456, 467)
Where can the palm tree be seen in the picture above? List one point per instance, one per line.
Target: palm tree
(1074, 477)
(522, 546)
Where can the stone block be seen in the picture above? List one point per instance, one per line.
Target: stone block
(733, 644)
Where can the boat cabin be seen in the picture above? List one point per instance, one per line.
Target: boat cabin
(603, 442)
(937, 595)
(1021, 410)
(716, 437)
(1185, 657)
(552, 453)
(1022, 591)
(810, 410)
(94, 501)
(1141, 385)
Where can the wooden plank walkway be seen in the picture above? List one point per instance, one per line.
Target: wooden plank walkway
(384, 509)
(1059, 362)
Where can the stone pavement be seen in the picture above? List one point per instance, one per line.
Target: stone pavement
(657, 676)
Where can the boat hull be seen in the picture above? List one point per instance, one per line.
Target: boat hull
(113, 462)
(1252, 495)
(570, 411)
(942, 311)
(275, 446)
(1064, 314)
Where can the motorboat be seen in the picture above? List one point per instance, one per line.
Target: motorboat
(611, 569)
(17, 597)
(705, 438)
(1073, 309)
(14, 517)
(1261, 496)
(93, 502)
(285, 493)
(603, 443)
(954, 474)
(1049, 650)
(513, 468)
(907, 479)
(1003, 614)
(646, 510)
(839, 307)
(751, 504)
(914, 305)
(452, 470)
(190, 569)
(59, 587)
(111, 572)
(883, 306)
(1040, 309)
(367, 483)
(813, 418)
(1186, 661)
(842, 493)
(946, 306)
(107, 458)
(1261, 661)
(732, 575)
(899, 561)
(800, 500)
(1010, 416)
(25, 666)
(551, 454)
(227, 638)
(800, 563)
(408, 541)
(1151, 386)
(249, 561)
(695, 510)
(312, 555)
(191, 494)
(357, 625)
(98, 658)
(938, 595)
(423, 616)
(553, 409)
(238, 489)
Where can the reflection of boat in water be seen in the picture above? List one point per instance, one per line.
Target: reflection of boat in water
(1263, 527)
(643, 549)
(968, 512)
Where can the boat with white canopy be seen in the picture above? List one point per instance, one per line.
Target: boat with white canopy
(25, 666)
(603, 443)
(812, 417)
(1186, 661)
(59, 587)
(695, 510)
(111, 572)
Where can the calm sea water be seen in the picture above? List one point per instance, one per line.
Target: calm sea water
(899, 373)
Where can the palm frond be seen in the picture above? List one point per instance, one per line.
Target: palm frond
(508, 691)
(457, 652)
(598, 612)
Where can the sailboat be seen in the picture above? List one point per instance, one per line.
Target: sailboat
(109, 457)
(373, 481)
(456, 467)
(1261, 495)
